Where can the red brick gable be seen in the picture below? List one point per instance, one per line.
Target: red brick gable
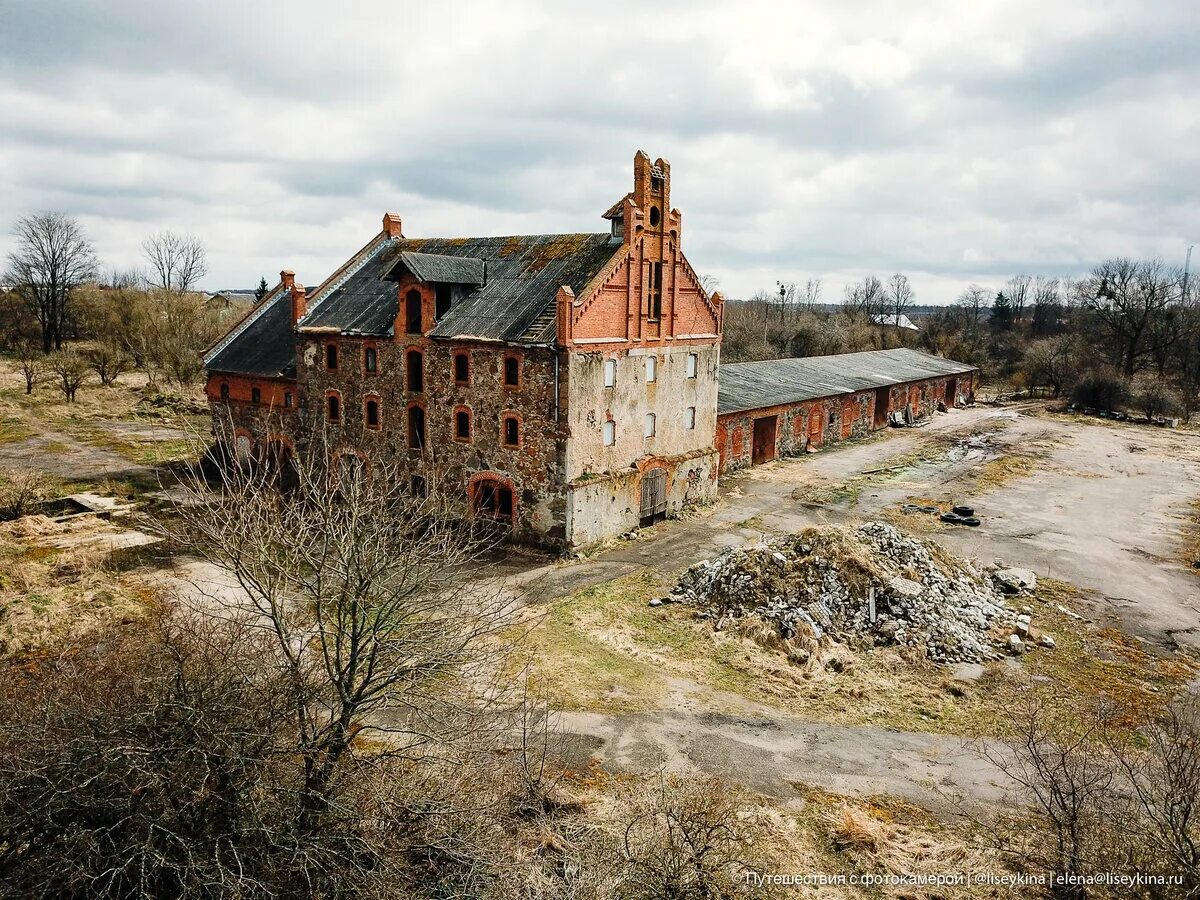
(616, 306)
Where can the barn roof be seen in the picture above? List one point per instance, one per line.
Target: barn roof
(777, 382)
(262, 344)
(520, 276)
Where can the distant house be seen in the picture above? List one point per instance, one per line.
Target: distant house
(895, 321)
(233, 299)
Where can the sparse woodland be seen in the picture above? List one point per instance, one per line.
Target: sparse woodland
(1124, 338)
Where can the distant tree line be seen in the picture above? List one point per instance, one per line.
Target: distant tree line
(65, 320)
(1124, 337)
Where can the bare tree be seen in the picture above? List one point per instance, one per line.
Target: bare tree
(709, 282)
(1017, 290)
(1052, 361)
(361, 587)
(900, 296)
(1069, 776)
(972, 302)
(810, 294)
(1126, 296)
(867, 298)
(71, 369)
(177, 261)
(1162, 778)
(31, 365)
(53, 257)
(108, 361)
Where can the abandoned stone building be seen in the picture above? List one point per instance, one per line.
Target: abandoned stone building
(562, 385)
(784, 407)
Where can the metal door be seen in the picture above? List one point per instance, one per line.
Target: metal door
(654, 495)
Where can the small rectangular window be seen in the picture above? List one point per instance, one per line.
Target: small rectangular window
(372, 413)
(255, 395)
(512, 371)
(335, 408)
(287, 400)
(512, 431)
(610, 433)
(462, 368)
(462, 425)
(610, 372)
(651, 368)
(370, 360)
(649, 425)
(654, 292)
(331, 355)
(689, 418)
(692, 361)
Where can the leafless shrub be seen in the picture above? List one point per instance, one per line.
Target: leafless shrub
(688, 839)
(71, 369)
(108, 361)
(31, 361)
(1161, 787)
(1063, 765)
(20, 491)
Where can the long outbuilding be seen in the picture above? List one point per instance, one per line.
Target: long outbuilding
(784, 407)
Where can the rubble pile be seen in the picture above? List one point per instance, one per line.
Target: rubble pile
(819, 582)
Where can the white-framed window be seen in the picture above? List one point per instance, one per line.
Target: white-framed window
(649, 425)
(610, 433)
(651, 368)
(689, 418)
(610, 372)
(692, 363)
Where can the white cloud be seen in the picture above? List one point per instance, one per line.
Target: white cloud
(956, 142)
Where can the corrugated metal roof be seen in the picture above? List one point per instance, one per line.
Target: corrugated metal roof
(776, 382)
(264, 345)
(523, 275)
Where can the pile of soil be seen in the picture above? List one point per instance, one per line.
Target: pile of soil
(817, 584)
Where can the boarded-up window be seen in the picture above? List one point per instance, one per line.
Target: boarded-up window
(610, 433)
(650, 423)
(610, 372)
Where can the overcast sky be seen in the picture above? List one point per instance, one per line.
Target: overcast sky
(960, 143)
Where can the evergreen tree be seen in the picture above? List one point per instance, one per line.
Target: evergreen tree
(261, 290)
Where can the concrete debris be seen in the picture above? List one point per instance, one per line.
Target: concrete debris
(1016, 646)
(1048, 642)
(1015, 581)
(817, 584)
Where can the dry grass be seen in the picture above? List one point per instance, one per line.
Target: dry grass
(602, 648)
(48, 594)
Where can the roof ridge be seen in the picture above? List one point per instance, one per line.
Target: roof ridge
(252, 315)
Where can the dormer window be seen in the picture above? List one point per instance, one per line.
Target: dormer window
(618, 226)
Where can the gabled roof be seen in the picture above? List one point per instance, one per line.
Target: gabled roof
(777, 382)
(262, 344)
(437, 268)
(617, 209)
(522, 275)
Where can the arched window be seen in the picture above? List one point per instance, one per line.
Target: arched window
(370, 360)
(415, 365)
(462, 424)
(412, 312)
(224, 391)
(334, 407)
(371, 412)
(416, 427)
(610, 433)
(655, 217)
(493, 499)
(651, 421)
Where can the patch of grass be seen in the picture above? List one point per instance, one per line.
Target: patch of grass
(14, 429)
(603, 648)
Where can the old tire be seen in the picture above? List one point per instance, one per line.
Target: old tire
(964, 510)
(969, 520)
(951, 518)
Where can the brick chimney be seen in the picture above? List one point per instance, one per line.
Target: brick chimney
(299, 302)
(287, 278)
(564, 302)
(391, 225)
